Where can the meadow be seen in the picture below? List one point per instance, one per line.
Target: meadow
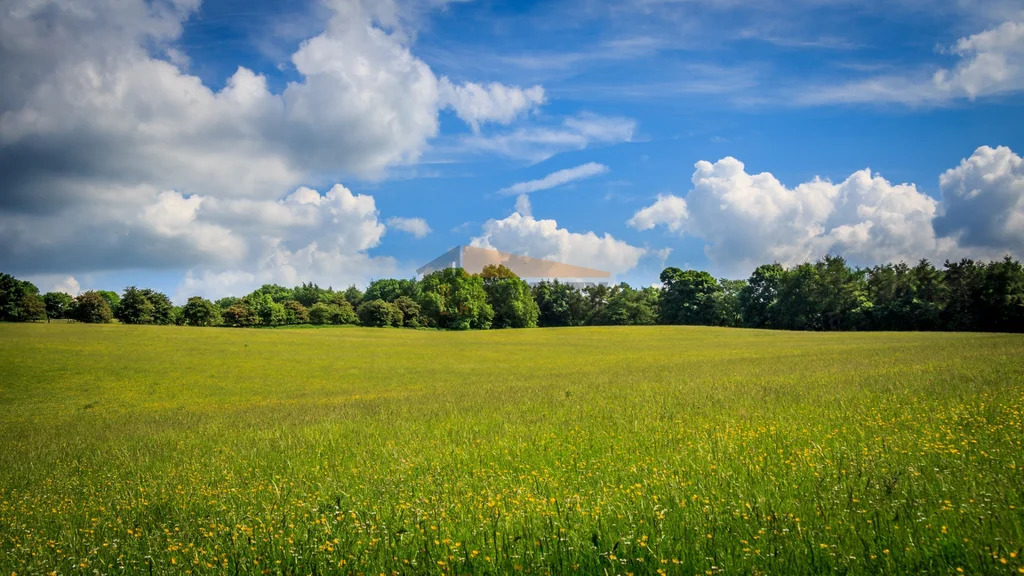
(646, 450)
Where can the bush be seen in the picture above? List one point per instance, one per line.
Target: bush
(410, 311)
(240, 315)
(380, 314)
(322, 313)
(92, 308)
(295, 312)
(200, 312)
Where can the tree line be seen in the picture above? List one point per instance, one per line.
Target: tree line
(826, 295)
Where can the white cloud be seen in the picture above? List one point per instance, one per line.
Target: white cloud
(523, 234)
(751, 219)
(990, 62)
(555, 179)
(53, 283)
(983, 200)
(538, 143)
(418, 227)
(116, 159)
(669, 211)
(306, 236)
(476, 104)
(69, 285)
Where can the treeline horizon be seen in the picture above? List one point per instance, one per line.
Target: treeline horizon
(827, 295)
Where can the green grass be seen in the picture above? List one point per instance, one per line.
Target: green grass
(587, 450)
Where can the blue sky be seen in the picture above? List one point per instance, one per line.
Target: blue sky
(209, 147)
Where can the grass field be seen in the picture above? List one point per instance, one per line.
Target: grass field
(587, 450)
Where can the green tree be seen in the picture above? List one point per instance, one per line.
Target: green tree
(269, 312)
(728, 310)
(32, 308)
(13, 299)
(560, 304)
(353, 295)
(410, 311)
(688, 297)
(1001, 302)
(320, 313)
(841, 294)
(163, 308)
(57, 304)
(295, 312)
(965, 284)
(796, 307)
(227, 302)
(390, 289)
(279, 294)
(240, 315)
(757, 300)
(308, 294)
(112, 298)
(135, 307)
(454, 299)
(199, 311)
(93, 308)
(379, 313)
(510, 298)
(629, 307)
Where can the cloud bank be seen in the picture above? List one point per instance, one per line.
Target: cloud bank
(751, 219)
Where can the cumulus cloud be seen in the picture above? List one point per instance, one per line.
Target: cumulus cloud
(751, 219)
(55, 283)
(418, 227)
(115, 157)
(983, 200)
(523, 234)
(990, 62)
(669, 211)
(305, 236)
(559, 178)
(476, 103)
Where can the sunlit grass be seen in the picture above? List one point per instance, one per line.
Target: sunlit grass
(589, 450)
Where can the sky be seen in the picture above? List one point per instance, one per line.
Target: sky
(209, 147)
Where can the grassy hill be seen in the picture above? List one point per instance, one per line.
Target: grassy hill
(648, 450)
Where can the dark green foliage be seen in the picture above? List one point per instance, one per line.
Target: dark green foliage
(341, 313)
(200, 312)
(379, 313)
(227, 302)
(92, 308)
(758, 298)
(353, 295)
(135, 307)
(728, 310)
(627, 307)
(389, 290)
(276, 293)
(510, 298)
(57, 304)
(308, 294)
(32, 308)
(410, 311)
(560, 304)
(295, 312)
(16, 304)
(269, 312)
(454, 299)
(688, 297)
(112, 298)
(240, 315)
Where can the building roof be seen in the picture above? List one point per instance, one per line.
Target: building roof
(473, 259)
